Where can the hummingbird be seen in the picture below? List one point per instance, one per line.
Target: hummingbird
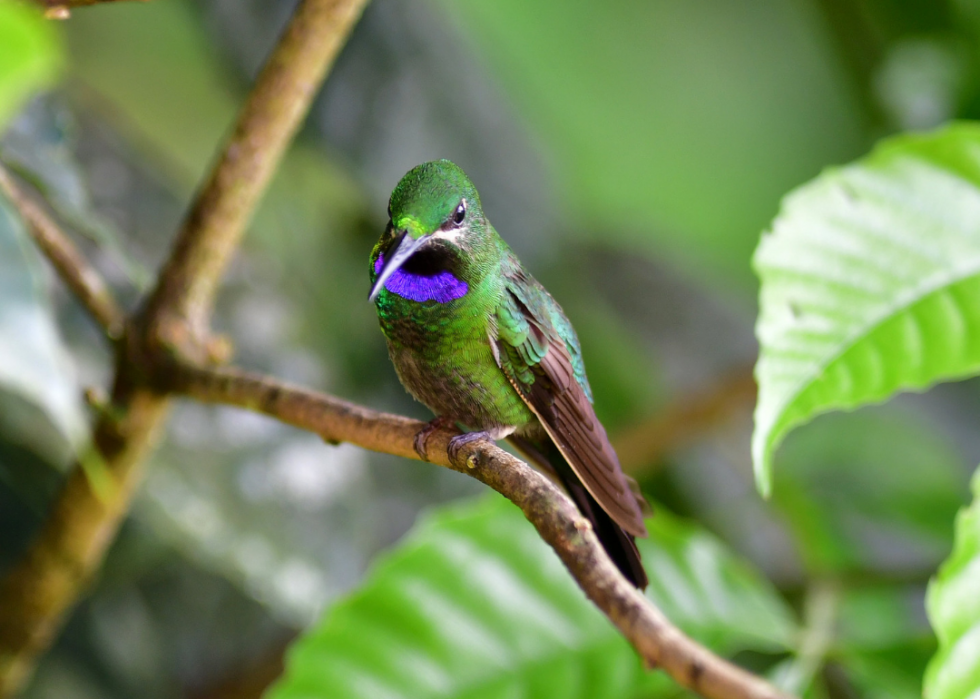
(482, 344)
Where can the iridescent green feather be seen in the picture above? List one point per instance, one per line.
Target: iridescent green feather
(524, 348)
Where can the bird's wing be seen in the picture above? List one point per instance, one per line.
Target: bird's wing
(537, 349)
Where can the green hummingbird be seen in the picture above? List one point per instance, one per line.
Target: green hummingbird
(479, 341)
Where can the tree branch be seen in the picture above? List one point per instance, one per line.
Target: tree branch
(556, 518)
(336, 420)
(86, 283)
(37, 593)
(183, 298)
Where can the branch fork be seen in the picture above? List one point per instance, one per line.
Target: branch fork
(166, 349)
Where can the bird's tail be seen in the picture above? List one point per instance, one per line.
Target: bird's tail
(620, 546)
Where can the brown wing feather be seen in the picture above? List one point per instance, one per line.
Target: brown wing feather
(567, 415)
(618, 544)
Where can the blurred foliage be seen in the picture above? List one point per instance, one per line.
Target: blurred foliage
(884, 642)
(40, 404)
(30, 59)
(474, 604)
(631, 152)
(869, 491)
(685, 145)
(39, 146)
(954, 609)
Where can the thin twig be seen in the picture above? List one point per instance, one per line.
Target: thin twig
(84, 281)
(275, 108)
(556, 518)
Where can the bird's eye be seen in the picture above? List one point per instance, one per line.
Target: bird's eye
(460, 213)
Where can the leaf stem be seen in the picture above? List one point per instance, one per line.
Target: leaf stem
(821, 607)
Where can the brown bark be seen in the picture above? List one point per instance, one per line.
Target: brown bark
(36, 595)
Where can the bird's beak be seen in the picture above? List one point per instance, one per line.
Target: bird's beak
(394, 259)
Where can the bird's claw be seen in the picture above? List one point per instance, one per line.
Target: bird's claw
(460, 441)
(422, 437)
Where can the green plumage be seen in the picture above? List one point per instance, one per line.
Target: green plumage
(478, 340)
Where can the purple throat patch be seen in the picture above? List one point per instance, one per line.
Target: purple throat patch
(441, 288)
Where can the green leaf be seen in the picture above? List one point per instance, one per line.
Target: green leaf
(30, 58)
(474, 604)
(39, 394)
(953, 603)
(870, 283)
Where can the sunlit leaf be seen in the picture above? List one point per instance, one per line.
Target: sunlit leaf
(39, 394)
(474, 604)
(870, 283)
(30, 57)
(953, 603)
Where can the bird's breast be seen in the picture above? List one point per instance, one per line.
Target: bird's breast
(444, 360)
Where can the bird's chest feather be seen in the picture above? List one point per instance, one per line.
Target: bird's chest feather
(441, 352)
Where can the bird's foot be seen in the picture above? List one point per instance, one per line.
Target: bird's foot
(422, 438)
(460, 441)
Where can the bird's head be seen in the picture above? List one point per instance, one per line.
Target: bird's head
(436, 227)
